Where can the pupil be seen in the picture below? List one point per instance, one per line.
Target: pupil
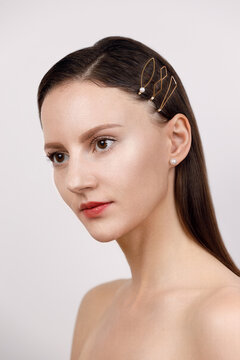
(102, 142)
(59, 156)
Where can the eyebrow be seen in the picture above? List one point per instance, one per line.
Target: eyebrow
(86, 135)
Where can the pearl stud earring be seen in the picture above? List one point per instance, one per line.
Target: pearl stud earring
(173, 161)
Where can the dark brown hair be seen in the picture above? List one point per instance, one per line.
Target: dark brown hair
(117, 61)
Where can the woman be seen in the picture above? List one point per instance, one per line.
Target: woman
(119, 130)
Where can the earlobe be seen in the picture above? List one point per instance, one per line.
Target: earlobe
(180, 137)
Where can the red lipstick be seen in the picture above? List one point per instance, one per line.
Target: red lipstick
(93, 208)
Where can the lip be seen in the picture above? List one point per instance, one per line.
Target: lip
(92, 204)
(96, 210)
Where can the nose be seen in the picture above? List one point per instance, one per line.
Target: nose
(80, 176)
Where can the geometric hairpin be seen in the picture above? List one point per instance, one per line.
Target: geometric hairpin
(142, 88)
(162, 77)
(166, 99)
(161, 80)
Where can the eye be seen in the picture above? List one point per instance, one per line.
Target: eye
(58, 155)
(102, 142)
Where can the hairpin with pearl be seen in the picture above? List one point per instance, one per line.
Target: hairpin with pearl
(162, 77)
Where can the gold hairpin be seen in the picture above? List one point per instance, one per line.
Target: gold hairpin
(161, 79)
(163, 103)
(142, 88)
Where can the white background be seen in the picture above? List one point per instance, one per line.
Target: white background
(47, 258)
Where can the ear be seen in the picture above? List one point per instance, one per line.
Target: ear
(180, 137)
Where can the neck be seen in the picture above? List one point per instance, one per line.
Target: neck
(160, 254)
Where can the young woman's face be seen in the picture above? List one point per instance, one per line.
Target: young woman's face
(126, 164)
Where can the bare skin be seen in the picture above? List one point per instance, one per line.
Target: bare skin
(163, 325)
(175, 284)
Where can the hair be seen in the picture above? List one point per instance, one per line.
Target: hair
(117, 61)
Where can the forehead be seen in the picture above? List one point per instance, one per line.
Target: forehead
(86, 100)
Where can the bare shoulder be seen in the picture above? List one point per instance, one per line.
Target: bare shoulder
(216, 327)
(91, 307)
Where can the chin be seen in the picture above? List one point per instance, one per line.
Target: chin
(105, 233)
(103, 238)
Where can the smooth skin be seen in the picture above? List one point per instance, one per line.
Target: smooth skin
(181, 302)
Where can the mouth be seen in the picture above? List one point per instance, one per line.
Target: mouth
(95, 210)
(92, 204)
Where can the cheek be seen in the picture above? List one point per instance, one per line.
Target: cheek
(140, 181)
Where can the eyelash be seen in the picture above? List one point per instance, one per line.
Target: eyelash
(50, 156)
